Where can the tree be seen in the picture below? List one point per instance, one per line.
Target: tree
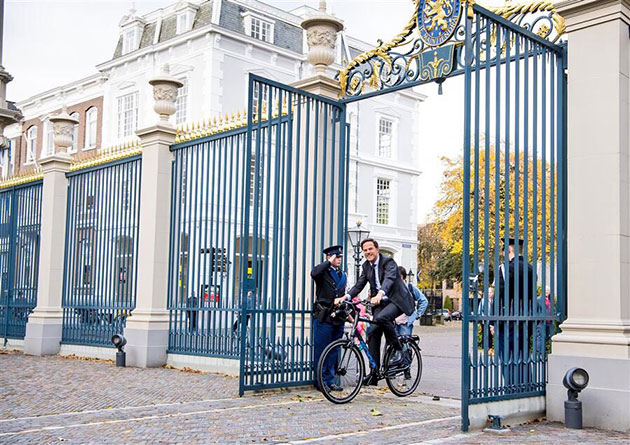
(431, 250)
(495, 203)
(448, 303)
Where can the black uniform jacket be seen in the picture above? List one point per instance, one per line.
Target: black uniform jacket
(525, 301)
(325, 293)
(391, 283)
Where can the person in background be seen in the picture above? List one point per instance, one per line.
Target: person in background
(404, 323)
(544, 329)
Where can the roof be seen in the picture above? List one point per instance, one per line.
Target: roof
(287, 34)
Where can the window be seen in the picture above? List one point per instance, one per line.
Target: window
(181, 105)
(385, 133)
(49, 139)
(127, 115)
(124, 266)
(91, 119)
(252, 179)
(256, 97)
(129, 41)
(85, 255)
(31, 144)
(185, 21)
(126, 194)
(89, 196)
(260, 29)
(75, 134)
(382, 201)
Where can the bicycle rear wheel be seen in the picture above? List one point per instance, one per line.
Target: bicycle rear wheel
(348, 371)
(404, 382)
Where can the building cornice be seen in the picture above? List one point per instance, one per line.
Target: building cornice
(389, 165)
(581, 14)
(85, 82)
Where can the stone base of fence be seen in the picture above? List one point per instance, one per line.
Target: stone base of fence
(230, 367)
(88, 351)
(147, 339)
(43, 333)
(12, 344)
(512, 412)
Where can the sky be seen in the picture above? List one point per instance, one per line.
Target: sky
(48, 43)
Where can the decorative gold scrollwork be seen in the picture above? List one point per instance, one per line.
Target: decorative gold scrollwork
(398, 61)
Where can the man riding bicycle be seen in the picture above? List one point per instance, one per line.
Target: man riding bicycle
(389, 299)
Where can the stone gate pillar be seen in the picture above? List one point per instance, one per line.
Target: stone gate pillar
(596, 335)
(44, 327)
(147, 327)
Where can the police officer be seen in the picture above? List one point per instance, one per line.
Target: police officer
(519, 305)
(330, 283)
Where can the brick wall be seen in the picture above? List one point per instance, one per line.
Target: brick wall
(81, 109)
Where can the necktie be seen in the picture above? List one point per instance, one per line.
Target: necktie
(376, 277)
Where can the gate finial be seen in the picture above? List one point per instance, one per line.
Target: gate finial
(321, 36)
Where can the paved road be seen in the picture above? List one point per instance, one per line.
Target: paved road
(52, 399)
(441, 357)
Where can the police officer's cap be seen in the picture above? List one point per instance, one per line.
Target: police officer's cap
(333, 250)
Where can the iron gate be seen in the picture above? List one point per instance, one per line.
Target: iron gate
(514, 186)
(295, 205)
(20, 216)
(513, 174)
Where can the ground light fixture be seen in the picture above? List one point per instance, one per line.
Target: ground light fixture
(119, 342)
(575, 380)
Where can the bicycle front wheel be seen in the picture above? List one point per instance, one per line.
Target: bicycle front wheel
(404, 382)
(340, 371)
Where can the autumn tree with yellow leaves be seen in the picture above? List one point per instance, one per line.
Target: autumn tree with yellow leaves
(496, 194)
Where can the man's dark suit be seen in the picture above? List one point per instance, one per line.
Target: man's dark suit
(399, 301)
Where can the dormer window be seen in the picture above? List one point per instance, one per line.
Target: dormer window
(185, 16)
(129, 41)
(131, 28)
(258, 27)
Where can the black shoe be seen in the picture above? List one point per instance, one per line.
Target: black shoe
(407, 374)
(370, 380)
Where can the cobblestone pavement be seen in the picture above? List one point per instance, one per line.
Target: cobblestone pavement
(54, 399)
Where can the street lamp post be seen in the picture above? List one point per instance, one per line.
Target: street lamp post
(356, 235)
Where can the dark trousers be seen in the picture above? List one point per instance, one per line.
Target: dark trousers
(384, 317)
(324, 334)
(514, 360)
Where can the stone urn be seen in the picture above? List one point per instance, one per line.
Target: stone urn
(321, 37)
(63, 130)
(165, 93)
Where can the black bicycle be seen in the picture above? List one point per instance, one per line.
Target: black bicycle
(350, 367)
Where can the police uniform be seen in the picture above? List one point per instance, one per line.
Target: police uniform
(330, 283)
(508, 330)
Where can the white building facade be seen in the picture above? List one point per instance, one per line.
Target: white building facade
(212, 47)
